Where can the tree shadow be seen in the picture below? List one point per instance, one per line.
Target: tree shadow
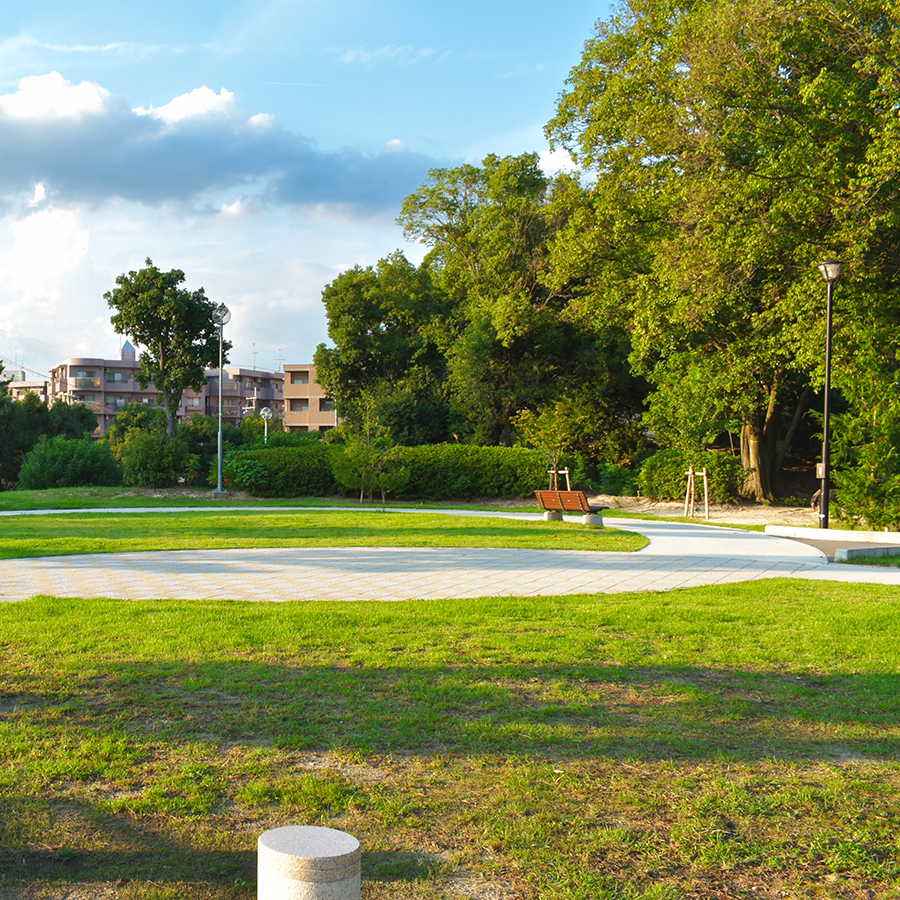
(574, 710)
(508, 711)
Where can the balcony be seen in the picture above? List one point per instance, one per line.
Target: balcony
(86, 382)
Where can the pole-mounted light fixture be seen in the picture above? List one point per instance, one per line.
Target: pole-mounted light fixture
(831, 271)
(221, 316)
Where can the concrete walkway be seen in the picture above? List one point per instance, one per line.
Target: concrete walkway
(679, 555)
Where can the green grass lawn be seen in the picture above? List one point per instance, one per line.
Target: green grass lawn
(85, 532)
(739, 740)
(730, 741)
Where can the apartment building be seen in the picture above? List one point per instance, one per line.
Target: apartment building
(106, 385)
(18, 385)
(244, 392)
(306, 405)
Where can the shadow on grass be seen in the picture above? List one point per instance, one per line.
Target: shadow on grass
(100, 730)
(651, 713)
(155, 856)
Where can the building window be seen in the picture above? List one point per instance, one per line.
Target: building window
(85, 373)
(192, 401)
(299, 405)
(117, 377)
(299, 377)
(326, 404)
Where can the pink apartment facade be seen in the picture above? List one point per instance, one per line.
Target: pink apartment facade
(106, 385)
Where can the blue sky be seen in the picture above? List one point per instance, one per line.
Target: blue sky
(261, 147)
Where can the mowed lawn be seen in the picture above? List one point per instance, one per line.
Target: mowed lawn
(97, 532)
(731, 741)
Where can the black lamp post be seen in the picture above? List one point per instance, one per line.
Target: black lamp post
(831, 270)
(221, 316)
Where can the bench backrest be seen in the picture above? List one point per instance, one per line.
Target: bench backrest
(570, 501)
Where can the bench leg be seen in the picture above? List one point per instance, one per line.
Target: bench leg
(592, 519)
(552, 515)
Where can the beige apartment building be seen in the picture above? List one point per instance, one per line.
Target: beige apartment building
(18, 385)
(106, 385)
(306, 405)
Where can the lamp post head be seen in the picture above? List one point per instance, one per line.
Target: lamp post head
(221, 315)
(831, 269)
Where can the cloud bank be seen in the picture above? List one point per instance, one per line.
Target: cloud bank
(85, 144)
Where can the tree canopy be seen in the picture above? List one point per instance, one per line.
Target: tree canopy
(731, 148)
(478, 332)
(725, 150)
(173, 325)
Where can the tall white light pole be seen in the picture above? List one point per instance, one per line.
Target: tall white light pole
(831, 270)
(221, 316)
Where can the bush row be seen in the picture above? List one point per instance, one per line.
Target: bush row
(437, 471)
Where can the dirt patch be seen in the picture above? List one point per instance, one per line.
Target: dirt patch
(732, 513)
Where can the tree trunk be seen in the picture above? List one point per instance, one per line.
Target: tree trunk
(170, 415)
(757, 481)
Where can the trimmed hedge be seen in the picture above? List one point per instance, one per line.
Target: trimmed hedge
(465, 472)
(303, 471)
(437, 471)
(663, 475)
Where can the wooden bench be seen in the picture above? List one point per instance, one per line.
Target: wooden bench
(555, 503)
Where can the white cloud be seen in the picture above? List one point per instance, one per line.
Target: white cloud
(47, 246)
(234, 210)
(200, 149)
(39, 194)
(200, 102)
(553, 161)
(263, 120)
(53, 97)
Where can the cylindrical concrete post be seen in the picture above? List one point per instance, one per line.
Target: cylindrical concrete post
(305, 862)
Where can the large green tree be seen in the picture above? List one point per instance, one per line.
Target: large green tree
(173, 325)
(731, 148)
(388, 323)
(514, 344)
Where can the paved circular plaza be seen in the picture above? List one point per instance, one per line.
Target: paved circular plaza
(679, 555)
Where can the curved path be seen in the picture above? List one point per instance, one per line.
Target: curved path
(679, 555)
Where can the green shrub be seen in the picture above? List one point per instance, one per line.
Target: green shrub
(151, 460)
(465, 472)
(62, 462)
(436, 471)
(663, 475)
(300, 471)
(618, 481)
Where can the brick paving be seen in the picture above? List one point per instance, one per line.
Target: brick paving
(679, 555)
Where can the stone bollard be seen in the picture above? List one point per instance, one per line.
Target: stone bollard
(305, 862)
